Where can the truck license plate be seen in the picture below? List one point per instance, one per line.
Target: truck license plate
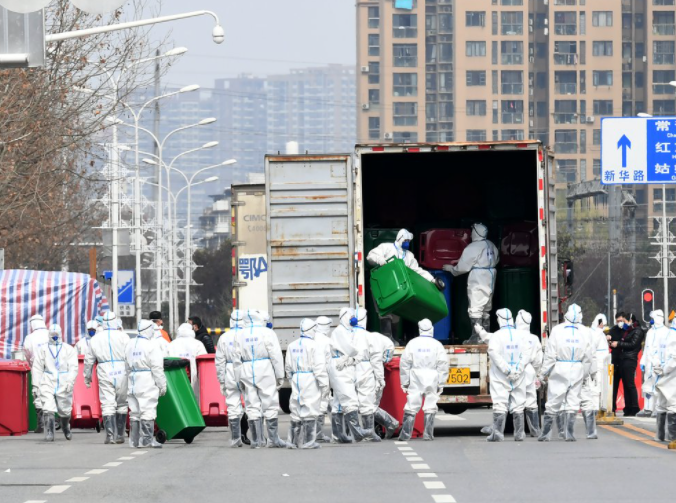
(457, 376)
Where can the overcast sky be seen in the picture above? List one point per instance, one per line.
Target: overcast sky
(261, 37)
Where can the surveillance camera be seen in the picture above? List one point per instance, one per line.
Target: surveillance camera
(218, 34)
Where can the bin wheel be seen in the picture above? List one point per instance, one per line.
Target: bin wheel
(380, 431)
(98, 427)
(188, 440)
(161, 436)
(284, 399)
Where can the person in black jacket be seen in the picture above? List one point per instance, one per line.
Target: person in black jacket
(626, 341)
(201, 334)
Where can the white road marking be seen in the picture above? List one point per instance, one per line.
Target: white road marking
(427, 475)
(97, 471)
(421, 466)
(126, 458)
(450, 417)
(410, 453)
(443, 498)
(405, 448)
(138, 453)
(434, 484)
(642, 419)
(397, 442)
(77, 479)
(414, 459)
(113, 464)
(56, 489)
(35, 501)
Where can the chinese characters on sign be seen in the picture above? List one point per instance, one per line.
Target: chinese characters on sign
(250, 268)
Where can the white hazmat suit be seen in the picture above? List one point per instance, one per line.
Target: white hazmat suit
(384, 345)
(423, 370)
(369, 373)
(144, 364)
(108, 352)
(523, 321)
(161, 342)
(261, 369)
(53, 374)
(479, 259)
(590, 395)
(323, 340)
(649, 349)
(568, 361)
(229, 378)
(306, 370)
(187, 347)
(38, 338)
(664, 368)
(84, 344)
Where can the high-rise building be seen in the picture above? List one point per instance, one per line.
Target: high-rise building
(442, 70)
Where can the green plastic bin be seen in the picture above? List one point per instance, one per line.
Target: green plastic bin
(178, 415)
(32, 413)
(518, 288)
(399, 290)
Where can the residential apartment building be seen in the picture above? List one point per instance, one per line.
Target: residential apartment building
(444, 70)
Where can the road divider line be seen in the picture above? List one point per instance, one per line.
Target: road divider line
(35, 501)
(97, 471)
(138, 453)
(398, 442)
(427, 475)
(126, 458)
(434, 484)
(631, 436)
(77, 479)
(113, 464)
(640, 430)
(411, 453)
(420, 466)
(57, 489)
(414, 459)
(402, 449)
(443, 498)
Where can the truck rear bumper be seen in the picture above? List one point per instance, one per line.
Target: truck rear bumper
(469, 399)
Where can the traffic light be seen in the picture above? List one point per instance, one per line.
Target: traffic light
(648, 303)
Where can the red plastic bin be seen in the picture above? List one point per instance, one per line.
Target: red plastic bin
(86, 402)
(519, 245)
(211, 400)
(394, 398)
(439, 247)
(14, 396)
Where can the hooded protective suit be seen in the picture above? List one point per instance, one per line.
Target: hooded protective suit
(323, 340)
(591, 387)
(53, 374)
(261, 368)
(479, 259)
(144, 364)
(385, 347)
(423, 370)
(229, 379)
(85, 341)
(664, 368)
(108, 351)
(186, 346)
(568, 362)
(649, 349)
(384, 252)
(523, 321)
(37, 339)
(160, 341)
(369, 372)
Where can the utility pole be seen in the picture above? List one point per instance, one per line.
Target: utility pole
(664, 239)
(158, 209)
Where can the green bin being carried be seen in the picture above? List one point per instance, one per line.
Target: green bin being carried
(401, 291)
(178, 415)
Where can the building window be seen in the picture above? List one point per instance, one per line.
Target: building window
(445, 23)
(565, 111)
(512, 111)
(639, 49)
(512, 134)
(445, 53)
(583, 143)
(374, 44)
(602, 18)
(564, 2)
(663, 23)
(405, 114)
(494, 23)
(445, 82)
(476, 108)
(565, 23)
(663, 53)
(374, 96)
(663, 2)
(541, 79)
(374, 128)
(405, 55)
(445, 111)
(512, 23)
(374, 72)
(583, 23)
(565, 141)
(661, 79)
(602, 48)
(657, 200)
(476, 135)
(511, 2)
(512, 53)
(596, 137)
(541, 108)
(405, 84)
(583, 168)
(512, 82)
(603, 77)
(405, 25)
(596, 168)
(565, 53)
(475, 18)
(603, 107)
(405, 137)
(566, 170)
(476, 78)
(475, 49)
(664, 107)
(565, 82)
(374, 17)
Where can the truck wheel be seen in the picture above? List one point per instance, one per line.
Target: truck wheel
(161, 436)
(98, 427)
(284, 399)
(453, 408)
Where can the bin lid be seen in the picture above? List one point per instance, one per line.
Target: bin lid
(393, 364)
(210, 356)
(14, 366)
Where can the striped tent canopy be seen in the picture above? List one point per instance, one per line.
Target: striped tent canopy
(65, 298)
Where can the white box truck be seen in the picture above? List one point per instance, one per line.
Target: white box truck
(318, 208)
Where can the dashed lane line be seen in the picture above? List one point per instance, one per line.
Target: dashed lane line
(420, 466)
(77, 479)
(57, 489)
(429, 475)
(434, 484)
(126, 458)
(96, 471)
(113, 464)
(443, 498)
(429, 484)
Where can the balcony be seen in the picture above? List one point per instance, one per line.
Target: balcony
(565, 88)
(664, 29)
(566, 148)
(565, 118)
(565, 59)
(565, 29)
(512, 88)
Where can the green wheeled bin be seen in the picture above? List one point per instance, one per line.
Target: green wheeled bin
(518, 288)
(178, 415)
(399, 290)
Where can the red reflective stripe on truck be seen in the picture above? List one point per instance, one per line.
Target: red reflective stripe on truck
(414, 149)
(378, 149)
(544, 250)
(522, 145)
(544, 316)
(542, 184)
(442, 147)
(542, 213)
(359, 256)
(541, 156)
(484, 147)
(361, 290)
(544, 279)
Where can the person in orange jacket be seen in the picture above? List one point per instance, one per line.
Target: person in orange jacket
(156, 318)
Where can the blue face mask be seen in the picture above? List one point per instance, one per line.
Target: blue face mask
(269, 324)
(406, 245)
(91, 332)
(354, 321)
(55, 338)
(625, 326)
(652, 322)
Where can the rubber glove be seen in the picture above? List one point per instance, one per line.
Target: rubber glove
(448, 267)
(280, 383)
(163, 391)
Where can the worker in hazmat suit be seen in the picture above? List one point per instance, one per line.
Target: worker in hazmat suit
(85, 341)
(532, 413)
(649, 349)
(590, 398)
(664, 368)
(160, 340)
(108, 352)
(479, 259)
(382, 253)
(423, 371)
(323, 340)
(568, 362)
(369, 374)
(384, 345)
(53, 376)
(187, 347)
(144, 365)
(229, 379)
(38, 338)
(510, 352)
(260, 365)
(343, 376)
(306, 370)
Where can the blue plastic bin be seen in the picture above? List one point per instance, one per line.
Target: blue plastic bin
(442, 328)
